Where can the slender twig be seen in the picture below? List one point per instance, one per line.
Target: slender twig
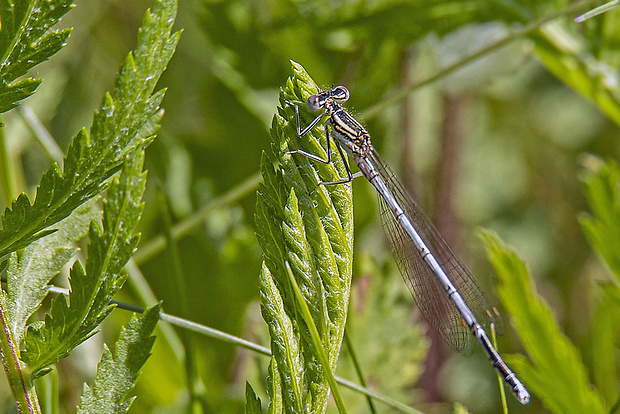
(316, 341)
(194, 383)
(525, 30)
(7, 171)
(47, 141)
(598, 10)
(234, 340)
(145, 295)
(158, 243)
(358, 368)
(397, 405)
(18, 377)
(502, 390)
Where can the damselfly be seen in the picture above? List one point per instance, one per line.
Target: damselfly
(445, 291)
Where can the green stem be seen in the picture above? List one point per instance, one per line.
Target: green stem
(158, 243)
(48, 392)
(595, 12)
(502, 390)
(316, 340)
(358, 369)
(235, 340)
(194, 383)
(7, 181)
(525, 30)
(144, 293)
(47, 141)
(17, 376)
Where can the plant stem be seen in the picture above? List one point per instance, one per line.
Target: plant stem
(19, 380)
(158, 243)
(596, 11)
(234, 340)
(316, 340)
(358, 369)
(524, 31)
(7, 181)
(47, 141)
(502, 391)
(197, 399)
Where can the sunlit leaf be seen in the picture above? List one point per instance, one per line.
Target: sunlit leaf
(26, 39)
(28, 276)
(252, 402)
(274, 389)
(311, 228)
(601, 185)
(109, 248)
(554, 369)
(285, 345)
(118, 372)
(126, 120)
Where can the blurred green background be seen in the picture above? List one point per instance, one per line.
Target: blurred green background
(499, 144)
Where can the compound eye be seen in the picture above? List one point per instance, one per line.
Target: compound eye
(340, 93)
(314, 103)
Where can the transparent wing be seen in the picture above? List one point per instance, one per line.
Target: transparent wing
(428, 293)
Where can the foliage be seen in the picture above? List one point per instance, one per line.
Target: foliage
(602, 191)
(310, 227)
(554, 370)
(509, 96)
(92, 288)
(252, 405)
(117, 374)
(601, 182)
(122, 124)
(28, 276)
(122, 128)
(553, 358)
(25, 41)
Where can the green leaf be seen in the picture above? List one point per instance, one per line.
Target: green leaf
(92, 288)
(604, 336)
(562, 54)
(252, 402)
(122, 124)
(316, 341)
(285, 345)
(460, 409)
(28, 276)
(117, 374)
(25, 41)
(274, 389)
(554, 371)
(312, 228)
(601, 186)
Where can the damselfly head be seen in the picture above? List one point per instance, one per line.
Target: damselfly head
(319, 99)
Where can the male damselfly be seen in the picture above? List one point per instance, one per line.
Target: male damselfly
(443, 288)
